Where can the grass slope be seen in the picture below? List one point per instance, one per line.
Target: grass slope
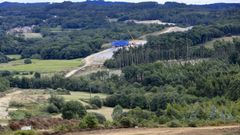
(210, 44)
(42, 66)
(83, 95)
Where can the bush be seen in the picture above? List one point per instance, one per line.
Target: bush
(16, 104)
(83, 124)
(52, 109)
(73, 110)
(64, 128)
(174, 123)
(27, 61)
(117, 112)
(101, 118)
(4, 84)
(37, 75)
(57, 101)
(163, 119)
(36, 56)
(192, 124)
(127, 122)
(96, 100)
(19, 115)
(61, 91)
(89, 121)
(29, 132)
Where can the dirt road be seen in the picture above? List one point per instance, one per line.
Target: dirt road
(4, 104)
(94, 60)
(222, 130)
(99, 58)
(167, 30)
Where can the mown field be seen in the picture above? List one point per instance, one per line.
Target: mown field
(42, 66)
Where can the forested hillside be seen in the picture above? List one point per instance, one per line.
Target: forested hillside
(182, 46)
(91, 21)
(173, 80)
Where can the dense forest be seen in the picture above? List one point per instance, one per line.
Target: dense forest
(182, 46)
(73, 43)
(91, 21)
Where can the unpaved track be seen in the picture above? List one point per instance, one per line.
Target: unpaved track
(99, 58)
(221, 130)
(167, 30)
(93, 60)
(4, 104)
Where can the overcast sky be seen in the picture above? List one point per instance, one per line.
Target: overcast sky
(159, 1)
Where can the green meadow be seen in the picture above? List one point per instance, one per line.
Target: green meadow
(42, 66)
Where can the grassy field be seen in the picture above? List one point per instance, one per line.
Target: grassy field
(39, 97)
(42, 66)
(83, 95)
(106, 111)
(14, 56)
(211, 43)
(32, 35)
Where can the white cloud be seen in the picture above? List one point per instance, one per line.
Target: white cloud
(160, 1)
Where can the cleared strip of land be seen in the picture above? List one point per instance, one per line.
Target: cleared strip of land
(221, 130)
(99, 58)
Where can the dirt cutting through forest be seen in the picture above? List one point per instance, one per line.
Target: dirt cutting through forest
(97, 59)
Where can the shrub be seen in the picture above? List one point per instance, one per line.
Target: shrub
(64, 128)
(192, 124)
(27, 61)
(108, 124)
(83, 124)
(117, 112)
(174, 123)
(19, 115)
(4, 84)
(163, 119)
(36, 56)
(52, 109)
(101, 118)
(16, 104)
(57, 101)
(28, 132)
(96, 100)
(37, 75)
(91, 121)
(127, 122)
(73, 110)
(94, 107)
(61, 91)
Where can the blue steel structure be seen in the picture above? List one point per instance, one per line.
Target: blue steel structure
(120, 43)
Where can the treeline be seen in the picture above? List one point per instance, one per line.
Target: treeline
(205, 79)
(70, 44)
(3, 58)
(183, 46)
(86, 14)
(200, 93)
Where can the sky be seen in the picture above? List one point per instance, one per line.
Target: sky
(159, 1)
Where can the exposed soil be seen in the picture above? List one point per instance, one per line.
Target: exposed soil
(96, 60)
(4, 104)
(221, 130)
